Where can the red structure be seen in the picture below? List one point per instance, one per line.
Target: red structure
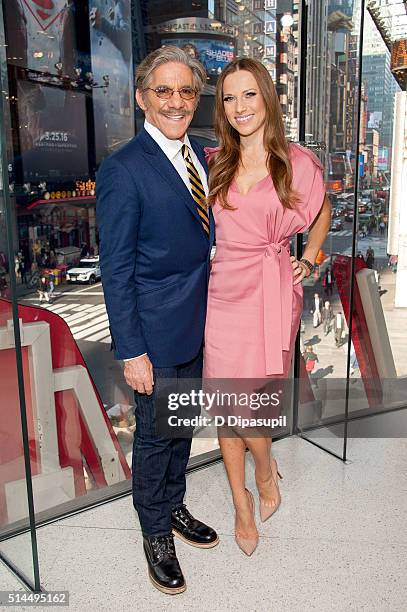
(359, 333)
(76, 446)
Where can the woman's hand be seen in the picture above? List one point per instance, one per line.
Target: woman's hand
(300, 270)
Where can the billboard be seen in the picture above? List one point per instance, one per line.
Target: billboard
(53, 133)
(41, 34)
(112, 64)
(213, 54)
(76, 56)
(383, 159)
(399, 55)
(375, 119)
(337, 166)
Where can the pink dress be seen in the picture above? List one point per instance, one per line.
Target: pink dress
(254, 309)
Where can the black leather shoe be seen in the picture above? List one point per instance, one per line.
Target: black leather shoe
(163, 567)
(192, 531)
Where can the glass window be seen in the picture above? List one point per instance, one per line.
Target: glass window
(71, 104)
(19, 436)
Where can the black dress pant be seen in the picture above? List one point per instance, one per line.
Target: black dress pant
(159, 461)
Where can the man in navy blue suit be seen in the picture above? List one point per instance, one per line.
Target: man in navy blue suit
(156, 234)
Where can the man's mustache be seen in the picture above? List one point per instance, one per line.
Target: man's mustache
(176, 113)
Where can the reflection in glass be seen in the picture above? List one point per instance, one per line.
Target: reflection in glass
(71, 105)
(380, 217)
(13, 491)
(330, 126)
(14, 505)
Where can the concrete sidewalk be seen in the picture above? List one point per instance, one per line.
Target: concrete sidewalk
(332, 360)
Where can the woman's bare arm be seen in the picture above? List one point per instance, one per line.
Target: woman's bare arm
(318, 231)
(316, 237)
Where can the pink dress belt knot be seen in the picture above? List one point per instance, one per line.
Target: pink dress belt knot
(277, 304)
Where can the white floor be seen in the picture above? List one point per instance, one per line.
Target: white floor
(338, 542)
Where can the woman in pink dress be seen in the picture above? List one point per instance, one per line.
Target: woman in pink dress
(263, 191)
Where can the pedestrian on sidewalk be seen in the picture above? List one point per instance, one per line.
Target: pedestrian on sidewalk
(51, 281)
(339, 328)
(302, 331)
(3, 284)
(327, 282)
(23, 270)
(370, 257)
(310, 358)
(84, 250)
(3, 262)
(353, 361)
(43, 289)
(327, 315)
(17, 267)
(393, 262)
(316, 310)
(363, 231)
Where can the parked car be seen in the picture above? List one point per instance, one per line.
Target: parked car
(338, 210)
(87, 271)
(346, 197)
(336, 225)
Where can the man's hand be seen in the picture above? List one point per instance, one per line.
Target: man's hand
(138, 373)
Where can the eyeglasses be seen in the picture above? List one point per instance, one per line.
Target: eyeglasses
(165, 93)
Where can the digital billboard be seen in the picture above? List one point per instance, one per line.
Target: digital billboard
(41, 34)
(375, 119)
(112, 64)
(383, 159)
(399, 55)
(71, 56)
(213, 54)
(53, 133)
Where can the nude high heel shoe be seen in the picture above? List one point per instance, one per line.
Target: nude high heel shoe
(247, 545)
(266, 510)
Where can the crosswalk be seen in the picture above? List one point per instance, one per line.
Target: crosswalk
(341, 233)
(87, 322)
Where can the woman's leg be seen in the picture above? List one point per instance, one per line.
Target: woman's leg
(260, 447)
(233, 450)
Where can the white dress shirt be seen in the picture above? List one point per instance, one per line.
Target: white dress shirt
(172, 149)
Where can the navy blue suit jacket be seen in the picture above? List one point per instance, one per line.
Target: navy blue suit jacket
(154, 254)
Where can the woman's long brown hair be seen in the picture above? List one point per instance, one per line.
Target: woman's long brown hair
(224, 165)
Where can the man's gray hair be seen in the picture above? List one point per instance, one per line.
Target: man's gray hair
(166, 54)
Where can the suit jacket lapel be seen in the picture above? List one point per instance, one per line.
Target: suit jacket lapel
(160, 162)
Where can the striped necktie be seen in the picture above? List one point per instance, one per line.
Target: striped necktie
(198, 192)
